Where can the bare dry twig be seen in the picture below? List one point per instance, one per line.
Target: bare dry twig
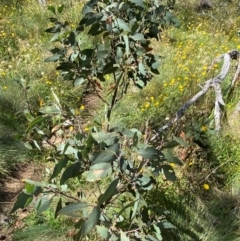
(215, 83)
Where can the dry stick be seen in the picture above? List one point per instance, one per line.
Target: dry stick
(237, 74)
(215, 83)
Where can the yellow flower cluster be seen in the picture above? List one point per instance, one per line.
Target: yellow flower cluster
(151, 102)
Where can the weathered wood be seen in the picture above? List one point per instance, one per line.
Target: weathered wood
(214, 83)
(42, 2)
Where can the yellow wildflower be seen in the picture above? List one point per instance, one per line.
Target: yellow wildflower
(206, 186)
(204, 128)
(146, 105)
(172, 164)
(82, 107)
(71, 128)
(107, 77)
(5, 87)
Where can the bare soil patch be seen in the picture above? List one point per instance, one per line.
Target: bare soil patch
(10, 187)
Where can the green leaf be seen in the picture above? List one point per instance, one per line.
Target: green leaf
(72, 38)
(169, 173)
(136, 205)
(139, 3)
(108, 155)
(155, 65)
(149, 237)
(29, 188)
(74, 209)
(109, 68)
(55, 97)
(123, 236)
(105, 156)
(95, 18)
(58, 208)
(126, 206)
(59, 166)
(50, 110)
(79, 223)
(53, 58)
(36, 145)
(79, 81)
(103, 232)
(28, 115)
(98, 171)
(145, 182)
(149, 153)
(122, 25)
(137, 36)
(171, 19)
(70, 172)
(22, 200)
(68, 150)
(60, 8)
(95, 29)
(39, 184)
(169, 156)
(54, 29)
(52, 9)
(111, 190)
(135, 139)
(89, 224)
(141, 68)
(171, 144)
(181, 141)
(125, 37)
(43, 203)
(37, 120)
(107, 138)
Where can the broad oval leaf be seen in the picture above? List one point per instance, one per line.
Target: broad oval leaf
(123, 236)
(59, 166)
(95, 18)
(89, 224)
(142, 69)
(137, 36)
(103, 232)
(23, 200)
(108, 155)
(50, 110)
(169, 173)
(74, 209)
(111, 190)
(53, 58)
(52, 9)
(43, 203)
(122, 25)
(70, 172)
(58, 208)
(79, 81)
(98, 171)
(150, 153)
(169, 157)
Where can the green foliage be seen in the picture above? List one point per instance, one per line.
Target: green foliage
(121, 34)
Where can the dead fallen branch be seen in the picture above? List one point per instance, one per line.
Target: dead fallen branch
(215, 84)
